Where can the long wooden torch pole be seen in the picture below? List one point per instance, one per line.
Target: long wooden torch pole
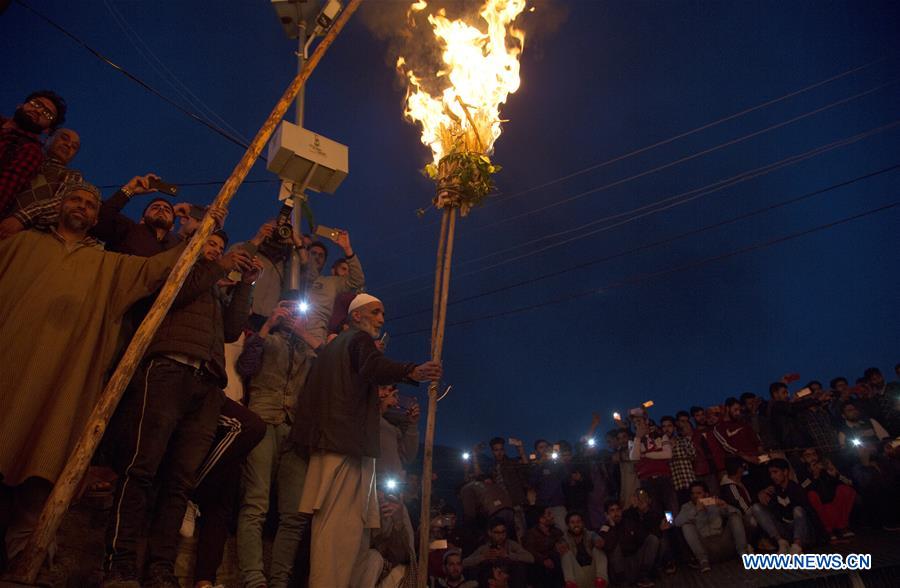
(438, 323)
(26, 567)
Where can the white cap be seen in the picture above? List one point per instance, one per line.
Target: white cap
(361, 300)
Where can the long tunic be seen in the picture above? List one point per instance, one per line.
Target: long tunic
(61, 307)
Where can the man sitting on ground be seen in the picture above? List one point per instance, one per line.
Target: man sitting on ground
(711, 525)
(541, 541)
(453, 572)
(499, 547)
(782, 510)
(630, 548)
(582, 558)
(830, 493)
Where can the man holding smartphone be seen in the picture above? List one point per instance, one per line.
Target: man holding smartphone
(710, 525)
(323, 289)
(168, 416)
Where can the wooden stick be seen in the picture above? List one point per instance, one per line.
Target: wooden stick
(441, 287)
(438, 275)
(27, 565)
(471, 122)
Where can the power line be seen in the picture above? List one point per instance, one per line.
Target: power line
(201, 183)
(661, 242)
(656, 207)
(676, 137)
(135, 79)
(168, 76)
(681, 160)
(662, 273)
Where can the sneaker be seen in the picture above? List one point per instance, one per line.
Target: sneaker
(645, 583)
(162, 575)
(796, 548)
(188, 523)
(704, 567)
(120, 578)
(670, 568)
(599, 583)
(765, 545)
(783, 546)
(847, 534)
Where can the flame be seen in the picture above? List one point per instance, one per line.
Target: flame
(481, 69)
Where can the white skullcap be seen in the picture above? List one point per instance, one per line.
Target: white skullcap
(361, 300)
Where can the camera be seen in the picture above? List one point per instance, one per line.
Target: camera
(282, 235)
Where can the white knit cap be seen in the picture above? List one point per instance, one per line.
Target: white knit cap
(361, 300)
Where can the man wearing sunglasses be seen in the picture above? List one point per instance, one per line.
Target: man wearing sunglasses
(21, 151)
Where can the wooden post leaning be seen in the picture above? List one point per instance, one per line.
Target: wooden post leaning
(27, 565)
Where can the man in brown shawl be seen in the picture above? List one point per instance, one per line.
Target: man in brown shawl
(62, 298)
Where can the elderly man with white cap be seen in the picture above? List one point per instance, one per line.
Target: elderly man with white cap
(338, 424)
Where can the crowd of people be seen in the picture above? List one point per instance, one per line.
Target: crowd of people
(266, 377)
(266, 392)
(781, 473)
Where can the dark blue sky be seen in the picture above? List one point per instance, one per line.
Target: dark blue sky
(614, 77)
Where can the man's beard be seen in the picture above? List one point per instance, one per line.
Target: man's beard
(77, 225)
(25, 123)
(158, 223)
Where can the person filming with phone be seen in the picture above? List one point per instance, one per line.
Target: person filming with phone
(275, 363)
(323, 289)
(713, 529)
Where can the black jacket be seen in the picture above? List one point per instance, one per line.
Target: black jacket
(201, 321)
(629, 534)
(337, 410)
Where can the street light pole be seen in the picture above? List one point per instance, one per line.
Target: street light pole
(297, 214)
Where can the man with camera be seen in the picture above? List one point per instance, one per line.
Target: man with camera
(710, 525)
(392, 545)
(275, 363)
(323, 290)
(500, 548)
(863, 441)
(339, 429)
(399, 434)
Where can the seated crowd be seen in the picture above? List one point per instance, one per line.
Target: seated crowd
(780, 474)
(265, 394)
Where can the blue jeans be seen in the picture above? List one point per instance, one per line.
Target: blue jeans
(732, 536)
(778, 529)
(273, 457)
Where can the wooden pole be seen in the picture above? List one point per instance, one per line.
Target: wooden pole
(439, 315)
(26, 566)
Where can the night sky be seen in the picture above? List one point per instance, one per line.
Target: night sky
(610, 79)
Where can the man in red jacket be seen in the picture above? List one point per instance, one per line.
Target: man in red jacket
(709, 461)
(736, 435)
